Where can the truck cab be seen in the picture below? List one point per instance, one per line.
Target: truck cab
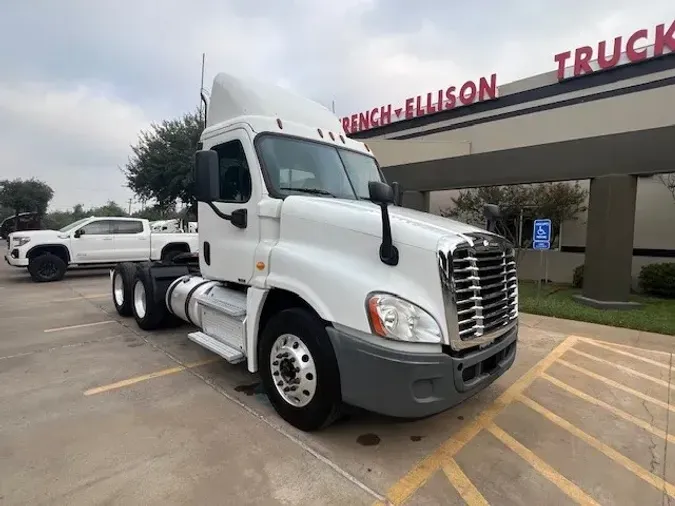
(311, 274)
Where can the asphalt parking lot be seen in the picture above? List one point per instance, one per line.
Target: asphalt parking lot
(93, 411)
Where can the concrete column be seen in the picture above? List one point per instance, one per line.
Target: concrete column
(609, 242)
(416, 200)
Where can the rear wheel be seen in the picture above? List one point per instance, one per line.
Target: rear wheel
(299, 369)
(122, 287)
(46, 267)
(168, 256)
(148, 313)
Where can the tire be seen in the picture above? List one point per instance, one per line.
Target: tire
(322, 406)
(148, 314)
(46, 268)
(122, 294)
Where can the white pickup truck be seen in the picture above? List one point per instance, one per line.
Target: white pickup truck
(93, 241)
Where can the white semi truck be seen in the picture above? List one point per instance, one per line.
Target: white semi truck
(311, 274)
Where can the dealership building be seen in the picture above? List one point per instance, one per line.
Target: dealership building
(603, 116)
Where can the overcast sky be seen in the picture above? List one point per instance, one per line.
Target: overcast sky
(81, 78)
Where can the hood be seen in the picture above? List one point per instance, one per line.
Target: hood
(409, 227)
(36, 234)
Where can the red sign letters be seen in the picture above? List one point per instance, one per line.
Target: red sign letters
(449, 98)
(641, 45)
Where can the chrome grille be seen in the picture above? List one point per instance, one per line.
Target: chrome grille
(480, 289)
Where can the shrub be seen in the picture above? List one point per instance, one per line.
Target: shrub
(658, 279)
(578, 277)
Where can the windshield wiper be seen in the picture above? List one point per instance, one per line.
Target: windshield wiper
(314, 191)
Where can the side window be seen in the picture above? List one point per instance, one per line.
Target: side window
(97, 228)
(235, 178)
(127, 227)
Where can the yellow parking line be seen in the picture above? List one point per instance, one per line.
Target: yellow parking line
(623, 368)
(145, 377)
(610, 452)
(627, 354)
(420, 473)
(565, 485)
(616, 411)
(463, 485)
(83, 297)
(81, 326)
(616, 384)
(627, 347)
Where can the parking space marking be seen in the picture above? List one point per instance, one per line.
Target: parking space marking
(623, 368)
(664, 354)
(81, 326)
(146, 377)
(565, 485)
(616, 384)
(32, 303)
(418, 475)
(616, 411)
(627, 354)
(61, 347)
(465, 488)
(610, 452)
(84, 297)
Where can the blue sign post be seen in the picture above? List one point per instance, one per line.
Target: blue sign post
(541, 235)
(541, 240)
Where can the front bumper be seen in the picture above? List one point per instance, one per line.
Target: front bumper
(414, 385)
(13, 257)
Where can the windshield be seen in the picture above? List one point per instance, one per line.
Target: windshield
(67, 228)
(297, 166)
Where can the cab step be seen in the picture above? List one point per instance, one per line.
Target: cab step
(232, 355)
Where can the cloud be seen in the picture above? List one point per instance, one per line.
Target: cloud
(74, 94)
(72, 137)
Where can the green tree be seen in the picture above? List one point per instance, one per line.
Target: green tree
(156, 213)
(22, 196)
(59, 219)
(558, 202)
(109, 209)
(160, 168)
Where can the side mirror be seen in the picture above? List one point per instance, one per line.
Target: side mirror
(492, 213)
(380, 193)
(78, 233)
(207, 186)
(397, 193)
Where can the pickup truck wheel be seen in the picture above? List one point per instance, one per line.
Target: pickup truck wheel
(149, 315)
(169, 255)
(299, 370)
(46, 267)
(122, 287)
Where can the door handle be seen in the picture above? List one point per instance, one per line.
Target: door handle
(107, 238)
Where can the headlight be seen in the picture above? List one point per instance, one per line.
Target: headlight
(20, 240)
(395, 318)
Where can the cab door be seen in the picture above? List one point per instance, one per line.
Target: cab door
(132, 242)
(226, 247)
(93, 243)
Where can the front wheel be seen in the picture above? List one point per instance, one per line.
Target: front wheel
(46, 267)
(299, 370)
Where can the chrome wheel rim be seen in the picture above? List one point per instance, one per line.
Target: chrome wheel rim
(293, 370)
(139, 299)
(118, 289)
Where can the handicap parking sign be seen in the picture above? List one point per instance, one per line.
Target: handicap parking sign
(541, 235)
